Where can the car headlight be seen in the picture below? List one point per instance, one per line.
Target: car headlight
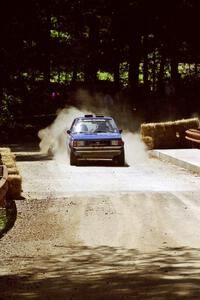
(117, 143)
(78, 143)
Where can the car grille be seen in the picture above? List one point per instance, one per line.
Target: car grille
(97, 143)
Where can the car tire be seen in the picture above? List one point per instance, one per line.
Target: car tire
(73, 160)
(120, 159)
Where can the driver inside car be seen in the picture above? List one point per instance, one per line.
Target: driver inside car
(102, 127)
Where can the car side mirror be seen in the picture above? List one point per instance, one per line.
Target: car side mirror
(68, 131)
(120, 130)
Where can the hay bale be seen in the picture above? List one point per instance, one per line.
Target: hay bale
(14, 186)
(13, 170)
(14, 179)
(8, 158)
(169, 134)
(5, 150)
(148, 141)
(8, 163)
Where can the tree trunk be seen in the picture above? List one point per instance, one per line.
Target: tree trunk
(196, 69)
(145, 65)
(47, 51)
(134, 61)
(161, 86)
(174, 72)
(116, 74)
(74, 75)
(93, 43)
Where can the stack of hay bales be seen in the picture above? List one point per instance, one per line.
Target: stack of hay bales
(167, 135)
(14, 179)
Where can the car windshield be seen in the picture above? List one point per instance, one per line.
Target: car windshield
(95, 126)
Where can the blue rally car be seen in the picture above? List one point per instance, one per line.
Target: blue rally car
(95, 137)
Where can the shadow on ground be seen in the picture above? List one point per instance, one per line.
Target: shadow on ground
(105, 273)
(25, 147)
(32, 157)
(99, 163)
(28, 152)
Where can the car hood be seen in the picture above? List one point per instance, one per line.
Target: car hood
(96, 136)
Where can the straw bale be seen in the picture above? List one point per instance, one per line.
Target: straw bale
(8, 162)
(147, 129)
(14, 179)
(4, 150)
(7, 157)
(169, 134)
(13, 170)
(148, 142)
(14, 186)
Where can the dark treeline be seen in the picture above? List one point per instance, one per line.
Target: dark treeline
(150, 48)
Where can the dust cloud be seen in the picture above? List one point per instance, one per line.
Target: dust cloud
(135, 150)
(53, 138)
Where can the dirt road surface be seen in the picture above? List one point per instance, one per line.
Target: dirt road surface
(99, 231)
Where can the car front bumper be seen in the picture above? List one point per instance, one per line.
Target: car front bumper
(106, 152)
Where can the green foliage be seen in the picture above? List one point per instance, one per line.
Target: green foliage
(62, 36)
(9, 107)
(105, 76)
(123, 72)
(61, 77)
(134, 43)
(186, 70)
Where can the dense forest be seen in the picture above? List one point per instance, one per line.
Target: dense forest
(144, 53)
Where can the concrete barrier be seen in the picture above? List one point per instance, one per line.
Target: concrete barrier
(3, 185)
(185, 158)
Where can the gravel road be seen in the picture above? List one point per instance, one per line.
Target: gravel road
(102, 232)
